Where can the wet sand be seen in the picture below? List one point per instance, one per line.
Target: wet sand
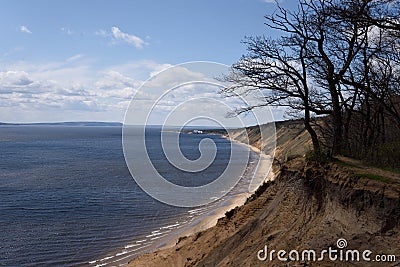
(201, 218)
(253, 177)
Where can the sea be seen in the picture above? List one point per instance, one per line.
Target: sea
(67, 197)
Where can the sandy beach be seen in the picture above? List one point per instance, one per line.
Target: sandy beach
(253, 177)
(200, 218)
(258, 170)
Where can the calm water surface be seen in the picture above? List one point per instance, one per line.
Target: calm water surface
(67, 197)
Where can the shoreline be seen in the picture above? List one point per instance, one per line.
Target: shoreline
(200, 218)
(206, 222)
(312, 204)
(239, 199)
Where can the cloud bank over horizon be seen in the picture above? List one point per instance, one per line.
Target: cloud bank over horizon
(59, 91)
(74, 60)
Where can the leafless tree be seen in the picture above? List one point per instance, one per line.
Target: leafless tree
(332, 58)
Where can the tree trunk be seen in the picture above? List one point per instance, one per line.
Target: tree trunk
(337, 142)
(311, 131)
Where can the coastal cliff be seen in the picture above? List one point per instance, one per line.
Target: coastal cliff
(309, 205)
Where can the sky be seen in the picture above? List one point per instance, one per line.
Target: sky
(85, 60)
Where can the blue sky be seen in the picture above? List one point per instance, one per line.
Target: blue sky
(83, 60)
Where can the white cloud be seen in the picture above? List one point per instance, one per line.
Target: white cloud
(160, 68)
(24, 29)
(12, 79)
(173, 77)
(115, 85)
(65, 91)
(128, 38)
(67, 31)
(68, 90)
(140, 69)
(102, 33)
(74, 58)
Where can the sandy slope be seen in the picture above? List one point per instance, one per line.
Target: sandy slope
(307, 206)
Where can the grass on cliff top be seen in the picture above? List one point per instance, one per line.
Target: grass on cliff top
(372, 177)
(345, 164)
(396, 170)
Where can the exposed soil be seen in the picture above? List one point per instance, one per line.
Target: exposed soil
(308, 206)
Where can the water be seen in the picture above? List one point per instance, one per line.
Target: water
(67, 197)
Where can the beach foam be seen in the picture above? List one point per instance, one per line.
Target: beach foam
(200, 219)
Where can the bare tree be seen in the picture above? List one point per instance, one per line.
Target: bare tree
(279, 69)
(373, 77)
(302, 69)
(327, 63)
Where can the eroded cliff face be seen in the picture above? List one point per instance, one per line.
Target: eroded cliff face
(284, 140)
(308, 206)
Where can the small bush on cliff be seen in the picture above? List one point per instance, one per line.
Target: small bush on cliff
(311, 156)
